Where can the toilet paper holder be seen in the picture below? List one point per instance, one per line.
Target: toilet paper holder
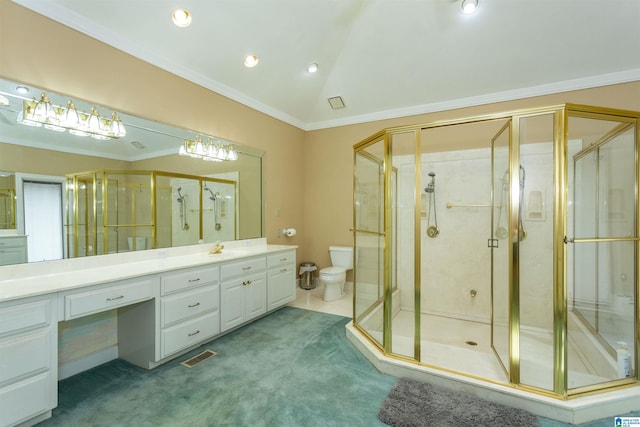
(288, 232)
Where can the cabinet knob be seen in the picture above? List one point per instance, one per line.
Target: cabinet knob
(246, 268)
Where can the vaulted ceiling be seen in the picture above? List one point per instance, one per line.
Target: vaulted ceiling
(385, 58)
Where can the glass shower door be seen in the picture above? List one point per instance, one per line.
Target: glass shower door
(603, 248)
(499, 244)
(369, 240)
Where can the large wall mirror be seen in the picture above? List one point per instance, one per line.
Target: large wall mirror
(67, 190)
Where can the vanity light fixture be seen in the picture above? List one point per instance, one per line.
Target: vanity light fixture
(469, 7)
(251, 61)
(61, 119)
(312, 68)
(181, 17)
(215, 151)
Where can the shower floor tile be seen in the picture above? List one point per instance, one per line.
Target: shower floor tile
(444, 344)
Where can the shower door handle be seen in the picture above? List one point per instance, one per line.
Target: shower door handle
(567, 240)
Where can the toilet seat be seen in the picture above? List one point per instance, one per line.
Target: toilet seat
(332, 271)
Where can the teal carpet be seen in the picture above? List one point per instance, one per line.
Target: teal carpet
(292, 368)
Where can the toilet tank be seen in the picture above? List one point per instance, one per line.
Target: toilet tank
(341, 256)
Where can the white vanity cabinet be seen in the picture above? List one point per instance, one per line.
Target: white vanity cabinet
(107, 297)
(13, 249)
(189, 308)
(28, 360)
(243, 292)
(185, 313)
(281, 279)
(164, 309)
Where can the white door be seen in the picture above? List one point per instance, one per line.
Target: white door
(43, 220)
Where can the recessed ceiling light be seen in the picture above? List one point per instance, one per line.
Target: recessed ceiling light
(251, 61)
(469, 6)
(22, 90)
(181, 17)
(312, 68)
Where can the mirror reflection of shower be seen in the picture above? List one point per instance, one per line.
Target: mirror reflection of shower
(183, 210)
(432, 230)
(215, 198)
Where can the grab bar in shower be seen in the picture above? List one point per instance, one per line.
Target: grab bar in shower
(451, 205)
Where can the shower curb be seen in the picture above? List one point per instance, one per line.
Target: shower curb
(574, 411)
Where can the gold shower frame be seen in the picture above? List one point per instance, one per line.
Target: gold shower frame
(561, 114)
(101, 176)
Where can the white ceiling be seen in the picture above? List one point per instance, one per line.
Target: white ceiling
(386, 58)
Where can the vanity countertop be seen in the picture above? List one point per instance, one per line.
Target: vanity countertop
(26, 280)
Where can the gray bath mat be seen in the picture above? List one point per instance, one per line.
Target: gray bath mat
(412, 403)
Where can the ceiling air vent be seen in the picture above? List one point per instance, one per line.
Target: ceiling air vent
(336, 102)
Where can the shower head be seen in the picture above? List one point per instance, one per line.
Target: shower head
(180, 198)
(213, 196)
(431, 186)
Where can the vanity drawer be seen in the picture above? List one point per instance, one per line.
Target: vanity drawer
(26, 354)
(189, 333)
(85, 303)
(25, 399)
(188, 304)
(239, 268)
(185, 279)
(12, 242)
(26, 316)
(281, 259)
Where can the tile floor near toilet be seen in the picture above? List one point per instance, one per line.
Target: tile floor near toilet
(312, 299)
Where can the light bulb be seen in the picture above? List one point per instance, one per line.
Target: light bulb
(181, 17)
(469, 6)
(117, 128)
(251, 61)
(71, 117)
(93, 123)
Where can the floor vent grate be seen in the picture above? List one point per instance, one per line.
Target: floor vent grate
(193, 361)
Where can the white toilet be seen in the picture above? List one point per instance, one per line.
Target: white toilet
(334, 277)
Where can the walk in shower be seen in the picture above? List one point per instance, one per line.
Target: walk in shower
(120, 211)
(503, 247)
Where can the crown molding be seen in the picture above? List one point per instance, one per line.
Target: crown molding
(473, 101)
(75, 21)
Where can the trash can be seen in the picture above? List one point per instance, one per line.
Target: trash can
(306, 275)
